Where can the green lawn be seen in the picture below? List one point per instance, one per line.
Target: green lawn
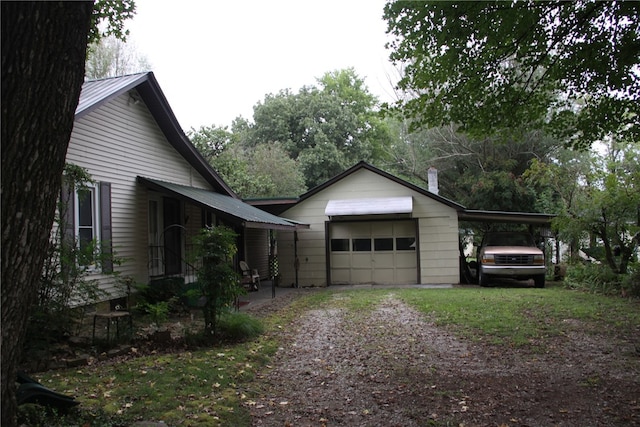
(207, 387)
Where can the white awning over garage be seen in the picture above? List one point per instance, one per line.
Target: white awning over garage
(370, 206)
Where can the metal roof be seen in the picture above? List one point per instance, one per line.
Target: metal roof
(96, 92)
(506, 217)
(249, 216)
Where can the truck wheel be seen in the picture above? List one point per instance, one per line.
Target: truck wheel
(538, 281)
(483, 279)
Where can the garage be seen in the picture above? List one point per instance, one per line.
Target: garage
(381, 252)
(366, 226)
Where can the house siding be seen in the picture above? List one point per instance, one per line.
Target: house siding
(437, 231)
(116, 143)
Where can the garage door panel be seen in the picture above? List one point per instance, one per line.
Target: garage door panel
(341, 275)
(383, 260)
(385, 275)
(406, 260)
(359, 275)
(382, 229)
(361, 260)
(341, 260)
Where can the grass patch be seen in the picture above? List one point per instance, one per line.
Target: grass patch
(518, 317)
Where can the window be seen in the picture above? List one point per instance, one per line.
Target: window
(362, 245)
(405, 243)
(340, 245)
(383, 244)
(87, 224)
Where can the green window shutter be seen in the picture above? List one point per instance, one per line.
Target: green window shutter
(105, 227)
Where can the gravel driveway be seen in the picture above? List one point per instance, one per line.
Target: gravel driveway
(394, 367)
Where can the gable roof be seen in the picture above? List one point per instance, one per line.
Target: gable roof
(464, 214)
(96, 93)
(367, 166)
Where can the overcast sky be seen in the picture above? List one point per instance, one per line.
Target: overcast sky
(216, 59)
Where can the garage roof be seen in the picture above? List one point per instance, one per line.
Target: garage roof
(369, 206)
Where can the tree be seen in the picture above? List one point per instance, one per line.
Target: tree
(495, 66)
(598, 199)
(482, 173)
(339, 112)
(112, 57)
(43, 56)
(218, 282)
(211, 141)
(262, 171)
(270, 163)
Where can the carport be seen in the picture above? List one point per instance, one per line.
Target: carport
(534, 221)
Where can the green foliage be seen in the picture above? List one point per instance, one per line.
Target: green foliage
(218, 282)
(262, 171)
(160, 290)
(497, 66)
(339, 117)
(64, 281)
(593, 277)
(236, 327)
(211, 141)
(159, 311)
(36, 415)
(322, 162)
(108, 19)
(477, 173)
(603, 205)
(631, 282)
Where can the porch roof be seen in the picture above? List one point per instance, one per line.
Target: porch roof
(247, 215)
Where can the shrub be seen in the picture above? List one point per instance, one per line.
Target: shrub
(631, 282)
(219, 284)
(239, 327)
(159, 311)
(159, 290)
(64, 289)
(593, 277)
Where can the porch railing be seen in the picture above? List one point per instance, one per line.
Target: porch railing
(158, 265)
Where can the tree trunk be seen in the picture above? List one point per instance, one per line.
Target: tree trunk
(43, 54)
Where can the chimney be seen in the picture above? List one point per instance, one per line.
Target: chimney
(432, 176)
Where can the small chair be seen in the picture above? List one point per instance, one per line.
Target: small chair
(250, 278)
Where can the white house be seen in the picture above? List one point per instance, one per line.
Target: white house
(153, 191)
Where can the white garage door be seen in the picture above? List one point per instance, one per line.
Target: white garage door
(381, 252)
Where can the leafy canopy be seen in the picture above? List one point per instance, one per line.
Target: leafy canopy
(496, 66)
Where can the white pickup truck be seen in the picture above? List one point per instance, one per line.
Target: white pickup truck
(510, 254)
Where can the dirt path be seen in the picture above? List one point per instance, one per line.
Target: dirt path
(393, 367)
